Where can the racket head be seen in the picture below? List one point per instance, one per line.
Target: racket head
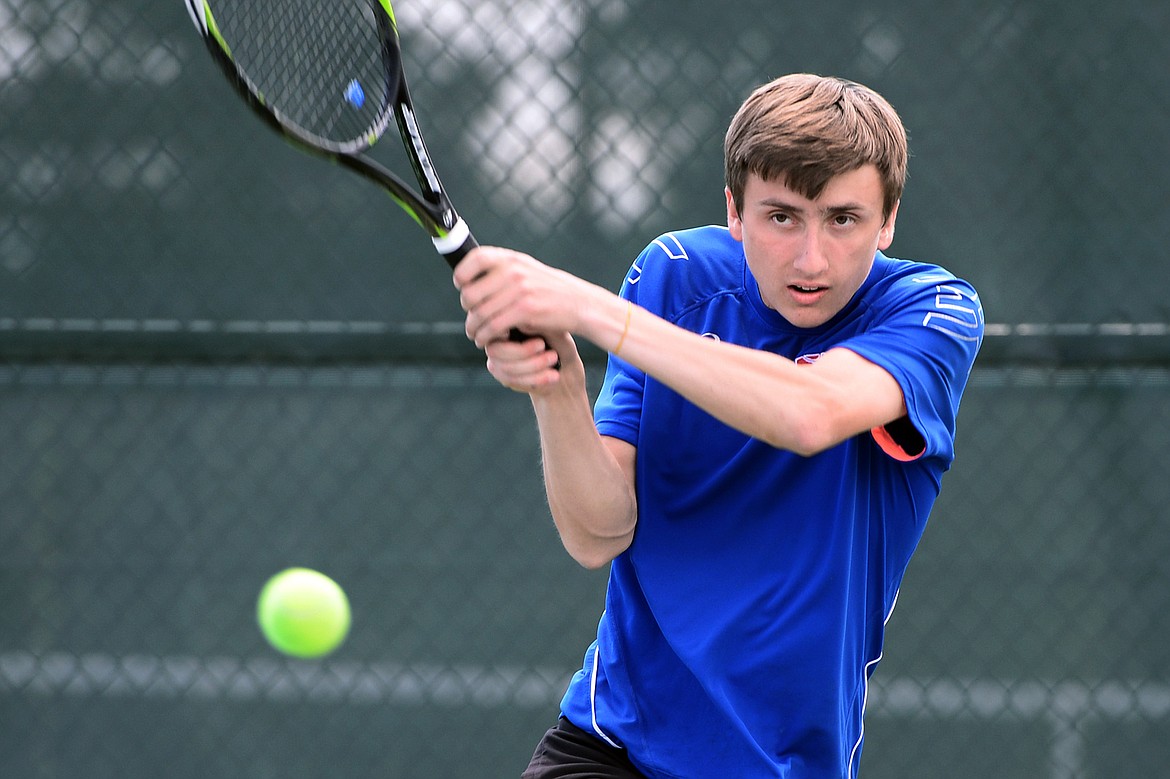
(325, 74)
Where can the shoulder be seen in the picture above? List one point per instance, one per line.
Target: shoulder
(928, 292)
(683, 267)
(899, 277)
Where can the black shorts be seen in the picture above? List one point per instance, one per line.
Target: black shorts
(567, 752)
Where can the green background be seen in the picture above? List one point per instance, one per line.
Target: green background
(220, 358)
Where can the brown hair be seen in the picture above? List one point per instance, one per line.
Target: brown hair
(803, 130)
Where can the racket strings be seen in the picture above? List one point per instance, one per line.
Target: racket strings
(323, 67)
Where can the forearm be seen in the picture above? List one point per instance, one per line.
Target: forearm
(588, 481)
(804, 409)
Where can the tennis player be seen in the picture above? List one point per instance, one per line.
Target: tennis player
(776, 417)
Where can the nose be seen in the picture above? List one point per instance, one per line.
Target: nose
(811, 258)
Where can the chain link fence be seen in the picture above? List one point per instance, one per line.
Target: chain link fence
(219, 358)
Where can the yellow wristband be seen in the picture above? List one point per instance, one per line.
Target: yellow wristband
(625, 330)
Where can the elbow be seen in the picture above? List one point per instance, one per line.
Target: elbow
(809, 436)
(597, 553)
(591, 560)
(810, 447)
(594, 535)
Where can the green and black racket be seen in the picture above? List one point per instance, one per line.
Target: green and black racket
(327, 75)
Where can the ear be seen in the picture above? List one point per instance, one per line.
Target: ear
(886, 234)
(734, 223)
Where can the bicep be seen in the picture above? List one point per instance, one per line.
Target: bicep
(867, 395)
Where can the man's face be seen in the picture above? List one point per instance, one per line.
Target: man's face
(810, 256)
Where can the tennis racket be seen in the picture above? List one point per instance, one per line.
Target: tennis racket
(327, 75)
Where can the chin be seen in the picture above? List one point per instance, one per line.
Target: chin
(809, 322)
(803, 317)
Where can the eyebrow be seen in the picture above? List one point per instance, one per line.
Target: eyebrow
(771, 202)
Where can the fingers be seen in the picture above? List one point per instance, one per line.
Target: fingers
(503, 290)
(492, 288)
(469, 267)
(490, 283)
(490, 319)
(524, 366)
(481, 262)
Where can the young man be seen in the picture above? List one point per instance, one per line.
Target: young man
(776, 417)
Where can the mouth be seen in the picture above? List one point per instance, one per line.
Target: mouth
(807, 293)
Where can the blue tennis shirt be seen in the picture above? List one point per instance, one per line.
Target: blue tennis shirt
(743, 623)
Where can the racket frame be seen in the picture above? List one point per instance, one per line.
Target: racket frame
(433, 210)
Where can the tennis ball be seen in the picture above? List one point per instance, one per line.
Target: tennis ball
(303, 613)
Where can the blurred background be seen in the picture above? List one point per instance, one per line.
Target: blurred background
(220, 357)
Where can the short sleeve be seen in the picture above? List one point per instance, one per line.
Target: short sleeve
(926, 336)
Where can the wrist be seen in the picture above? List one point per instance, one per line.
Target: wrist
(608, 321)
(616, 350)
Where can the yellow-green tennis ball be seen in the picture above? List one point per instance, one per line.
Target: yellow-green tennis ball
(303, 613)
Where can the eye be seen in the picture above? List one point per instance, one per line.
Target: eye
(781, 217)
(843, 220)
